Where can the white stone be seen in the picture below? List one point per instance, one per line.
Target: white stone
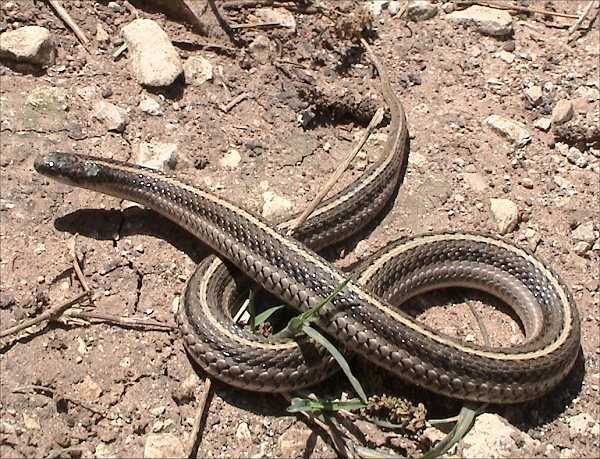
(542, 124)
(574, 156)
(113, 117)
(488, 21)
(581, 247)
(279, 16)
(394, 7)
(243, 432)
(516, 132)
(506, 214)
(584, 232)
(562, 112)
(157, 155)
(101, 34)
(197, 70)
(534, 95)
(507, 57)
(580, 424)
(420, 10)
(154, 60)
(260, 49)
(30, 44)
(493, 437)
(274, 205)
(159, 446)
(231, 160)
(150, 106)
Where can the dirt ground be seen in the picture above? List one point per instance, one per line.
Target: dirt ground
(71, 388)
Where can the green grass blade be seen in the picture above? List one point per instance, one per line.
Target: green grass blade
(309, 405)
(466, 418)
(337, 355)
(263, 316)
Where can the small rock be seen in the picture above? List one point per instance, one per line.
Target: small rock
(106, 93)
(102, 36)
(150, 106)
(159, 446)
(420, 10)
(243, 432)
(542, 124)
(156, 155)
(115, 7)
(89, 389)
(274, 205)
(279, 16)
(534, 95)
(31, 44)
(39, 248)
(154, 60)
(562, 112)
(293, 442)
(584, 232)
(533, 238)
(87, 93)
(488, 21)
(186, 390)
(48, 100)
(507, 57)
(574, 156)
(231, 160)
(375, 7)
(394, 7)
(506, 214)
(261, 49)
(581, 247)
(158, 411)
(113, 117)
(509, 45)
(580, 424)
(31, 422)
(7, 300)
(197, 70)
(527, 183)
(513, 130)
(104, 451)
(475, 181)
(492, 436)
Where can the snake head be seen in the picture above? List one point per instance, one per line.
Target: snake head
(67, 168)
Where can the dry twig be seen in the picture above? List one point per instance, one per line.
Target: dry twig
(377, 118)
(64, 15)
(50, 393)
(233, 102)
(198, 427)
(524, 9)
(124, 321)
(575, 26)
(47, 315)
(76, 265)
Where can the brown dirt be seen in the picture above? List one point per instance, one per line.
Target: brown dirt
(137, 263)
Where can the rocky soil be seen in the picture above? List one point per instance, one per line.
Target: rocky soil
(504, 118)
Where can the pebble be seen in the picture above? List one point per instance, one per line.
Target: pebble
(260, 48)
(89, 389)
(574, 156)
(584, 232)
(527, 183)
(543, 124)
(516, 132)
(31, 44)
(580, 424)
(420, 10)
(197, 70)
(533, 238)
(157, 155)
(493, 436)
(476, 181)
(231, 160)
(534, 95)
(186, 390)
(150, 106)
(581, 247)
(279, 16)
(275, 205)
(243, 432)
(102, 36)
(106, 93)
(154, 61)
(562, 112)
(506, 214)
(394, 7)
(159, 446)
(114, 118)
(507, 57)
(488, 21)
(48, 99)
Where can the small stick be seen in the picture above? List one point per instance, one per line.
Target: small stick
(521, 8)
(76, 265)
(120, 50)
(35, 389)
(64, 15)
(233, 102)
(257, 24)
(575, 26)
(377, 118)
(47, 315)
(125, 321)
(223, 22)
(198, 427)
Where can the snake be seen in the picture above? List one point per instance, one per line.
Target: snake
(365, 316)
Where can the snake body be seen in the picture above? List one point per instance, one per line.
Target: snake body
(362, 316)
